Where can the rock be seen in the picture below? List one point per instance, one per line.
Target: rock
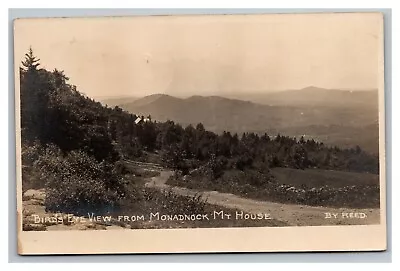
(34, 227)
(35, 194)
(94, 226)
(115, 228)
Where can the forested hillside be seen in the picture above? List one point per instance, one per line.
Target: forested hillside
(75, 147)
(346, 124)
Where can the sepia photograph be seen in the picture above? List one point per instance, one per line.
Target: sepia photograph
(240, 132)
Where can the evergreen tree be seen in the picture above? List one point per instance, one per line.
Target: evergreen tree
(30, 63)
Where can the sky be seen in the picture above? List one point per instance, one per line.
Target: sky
(207, 55)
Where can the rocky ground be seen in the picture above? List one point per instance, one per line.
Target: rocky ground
(33, 205)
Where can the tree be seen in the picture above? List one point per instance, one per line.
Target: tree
(265, 138)
(174, 158)
(217, 165)
(275, 162)
(327, 159)
(148, 136)
(59, 78)
(299, 157)
(34, 98)
(200, 127)
(31, 62)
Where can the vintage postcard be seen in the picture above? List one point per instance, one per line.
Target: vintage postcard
(200, 133)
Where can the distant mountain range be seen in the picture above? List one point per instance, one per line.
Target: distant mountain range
(346, 118)
(313, 96)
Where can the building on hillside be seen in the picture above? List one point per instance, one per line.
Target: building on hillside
(141, 119)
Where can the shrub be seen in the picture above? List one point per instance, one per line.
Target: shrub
(77, 183)
(244, 161)
(143, 200)
(217, 166)
(29, 154)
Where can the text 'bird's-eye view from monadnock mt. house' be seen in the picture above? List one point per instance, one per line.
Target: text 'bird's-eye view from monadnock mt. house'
(161, 123)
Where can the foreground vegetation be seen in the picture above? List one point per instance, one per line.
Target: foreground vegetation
(139, 201)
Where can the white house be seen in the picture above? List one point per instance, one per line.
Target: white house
(141, 120)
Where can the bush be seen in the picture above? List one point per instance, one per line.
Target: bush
(172, 203)
(30, 177)
(244, 161)
(77, 183)
(217, 166)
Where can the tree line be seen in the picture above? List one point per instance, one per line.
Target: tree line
(53, 111)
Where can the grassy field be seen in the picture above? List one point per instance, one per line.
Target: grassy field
(319, 177)
(312, 187)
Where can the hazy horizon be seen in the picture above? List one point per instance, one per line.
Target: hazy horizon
(227, 94)
(207, 55)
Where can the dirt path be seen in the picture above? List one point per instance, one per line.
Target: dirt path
(295, 215)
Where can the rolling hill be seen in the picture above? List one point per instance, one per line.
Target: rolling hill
(348, 122)
(114, 101)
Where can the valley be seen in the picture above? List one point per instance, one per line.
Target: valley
(335, 117)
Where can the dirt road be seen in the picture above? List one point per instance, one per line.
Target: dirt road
(294, 215)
